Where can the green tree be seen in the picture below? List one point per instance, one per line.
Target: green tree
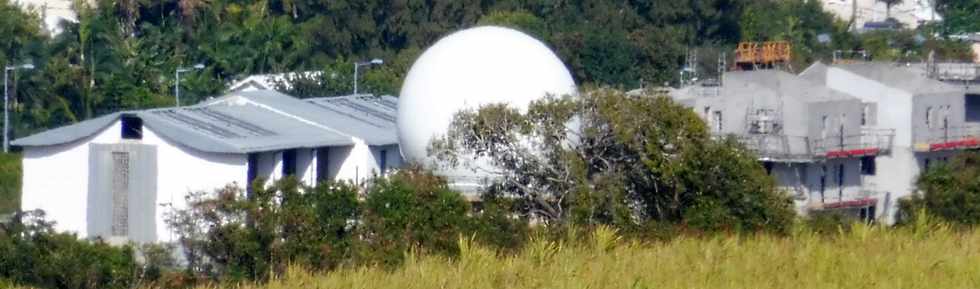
(950, 191)
(412, 209)
(604, 157)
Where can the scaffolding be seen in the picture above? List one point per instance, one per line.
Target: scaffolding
(756, 55)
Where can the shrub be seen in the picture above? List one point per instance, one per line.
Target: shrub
(32, 254)
(233, 235)
(950, 191)
(413, 209)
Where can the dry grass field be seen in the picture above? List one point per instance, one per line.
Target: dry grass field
(920, 256)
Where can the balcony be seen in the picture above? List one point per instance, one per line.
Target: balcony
(949, 138)
(779, 148)
(871, 141)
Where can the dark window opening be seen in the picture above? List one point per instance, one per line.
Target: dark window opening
(132, 127)
(823, 182)
(840, 181)
(868, 166)
(768, 166)
(288, 163)
(322, 165)
(384, 161)
(867, 214)
(252, 171)
(972, 107)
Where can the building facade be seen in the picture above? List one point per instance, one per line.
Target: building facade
(116, 176)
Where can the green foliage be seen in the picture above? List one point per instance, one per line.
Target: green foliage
(10, 179)
(412, 210)
(959, 16)
(32, 254)
(604, 157)
(236, 235)
(949, 191)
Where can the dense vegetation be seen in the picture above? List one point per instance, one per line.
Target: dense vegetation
(605, 157)
(10, 179)
(123, 54)
(948, 190)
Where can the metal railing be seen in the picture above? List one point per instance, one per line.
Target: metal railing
(775, 147)
(871, 141)
(947, 138)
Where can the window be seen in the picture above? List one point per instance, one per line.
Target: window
(384, 161)
(868, 165)
(322, 165)
(823, 182)
(716, 121)
(824, 123)
(252, 172)
(120, 194)
(288, 163)
(132, 127)
(840, 182)
(929, 117)
(865, 110)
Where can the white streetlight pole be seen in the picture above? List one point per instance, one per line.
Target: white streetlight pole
(6, 103)
(177, 79)
(357, 66)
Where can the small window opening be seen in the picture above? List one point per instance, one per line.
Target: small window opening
(252, 171)
(288, 163)
(384, 161)
(929, 117)
(868, 165)
(132, 127)
(322, 165)
(716, 120)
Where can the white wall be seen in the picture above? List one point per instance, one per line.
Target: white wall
(56, 177)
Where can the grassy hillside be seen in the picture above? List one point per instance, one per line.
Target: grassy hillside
(9, 182)
(865, 257)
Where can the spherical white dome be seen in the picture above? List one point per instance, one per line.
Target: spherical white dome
(470, 68)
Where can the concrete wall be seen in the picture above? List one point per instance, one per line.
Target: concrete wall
(56, 177)
(950, 107)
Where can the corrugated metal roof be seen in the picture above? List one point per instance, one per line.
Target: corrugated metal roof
(371, 118)
(254, 121)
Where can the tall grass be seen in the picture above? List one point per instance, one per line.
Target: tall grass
(921, 256)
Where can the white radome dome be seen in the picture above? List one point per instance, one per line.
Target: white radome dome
(468, 69)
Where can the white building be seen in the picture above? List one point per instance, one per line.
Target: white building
(109, 176)
(849, 137)
(813, 140)
(910, 13)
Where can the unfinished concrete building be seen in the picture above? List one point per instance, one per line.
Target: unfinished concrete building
(817, 142)
(849, 137)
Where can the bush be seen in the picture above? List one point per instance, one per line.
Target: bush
(950, 191)
(32, 254)
(412, 210)
(232, 235)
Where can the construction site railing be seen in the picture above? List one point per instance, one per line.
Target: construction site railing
(777, 147)
(947, 138)
(871, 141)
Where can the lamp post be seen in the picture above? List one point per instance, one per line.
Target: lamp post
(6, 101)
(358, 65)
(177, 79)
